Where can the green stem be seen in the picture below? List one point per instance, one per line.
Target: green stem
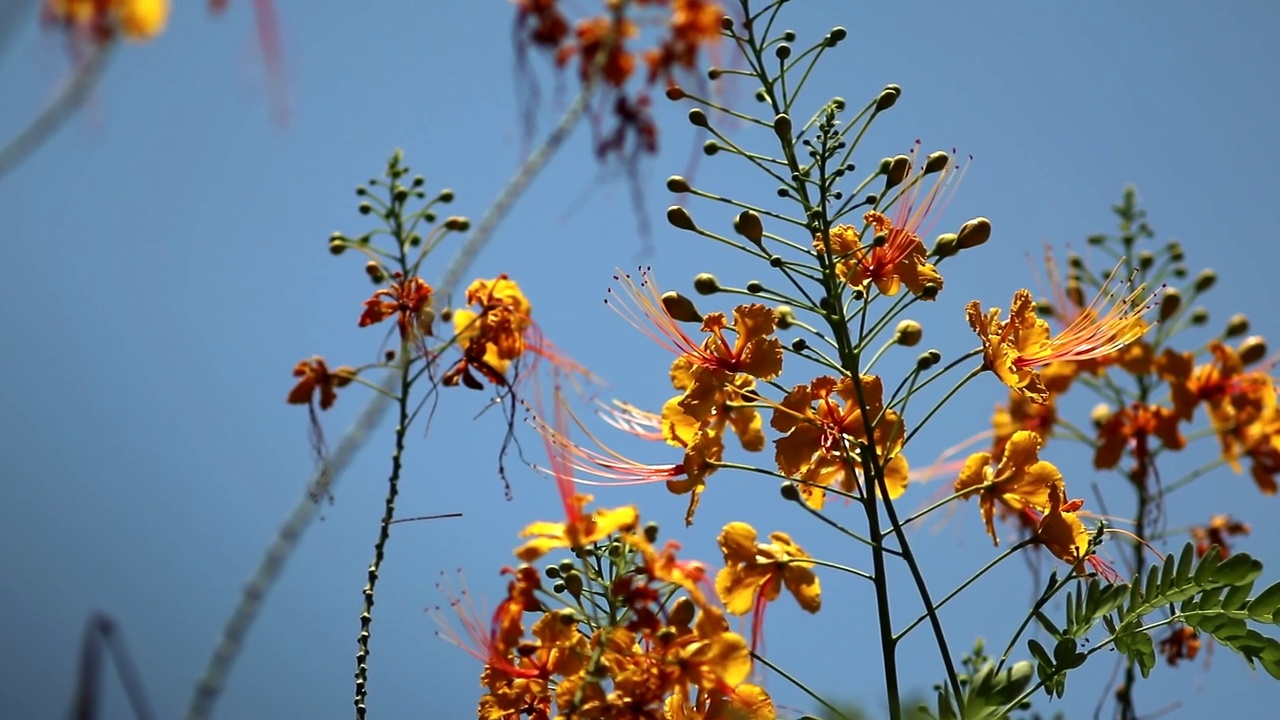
(803, 688)
(998, 559)
(950, 393)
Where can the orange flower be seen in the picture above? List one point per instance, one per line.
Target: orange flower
(1065, 537)
(1216, 532)
(1015, 348)
(694, 23)
(1182, 643)
(714, 363)
(824, 424)
(408, 299)
(1134, 427)
(594, 35)
(680, 427)
(755, 573)
(314, 376)
(1019, 481)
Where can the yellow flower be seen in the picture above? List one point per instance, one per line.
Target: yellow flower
(679, 427)
(1020, 480)
(1061, 532)
(1015, 348)
(754, 574)
(824, 424)
(577, 531)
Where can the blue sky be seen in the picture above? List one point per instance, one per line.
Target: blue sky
(166, 265)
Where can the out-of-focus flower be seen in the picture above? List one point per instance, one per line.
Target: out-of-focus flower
(1018, 480)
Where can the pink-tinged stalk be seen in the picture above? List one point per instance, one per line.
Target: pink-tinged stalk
(641, 306)
(481, 638)
(910, 211)
(1105, 326)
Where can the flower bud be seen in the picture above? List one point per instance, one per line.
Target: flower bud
(1199, 316)
(675, 92)
(1146, 259)
(838, 34)
(678, 184)
(552, 572)
(364, 208)
(936, 162)
(336, 246)
(908, 333)
(1100, 414)
(651, 532)
(706, 284)
(748, 225)
(1237, 325)
(799, 344)
(928, 359)
(375, 271)
(785, 315)
(1205, 280)
(680, 218)
(782, 126)
(446, 196)
(457, 223)
(1170, 303)
(973, 233)
(755, 287)
(888, 96)
(899, 166)
(782, 51)
(680, 308)
(573, 583)
(1252, 349)
(789, 492)
(697, 118)
(946, 245)
(681, 613)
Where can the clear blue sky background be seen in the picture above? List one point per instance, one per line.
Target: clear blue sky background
(165, 265)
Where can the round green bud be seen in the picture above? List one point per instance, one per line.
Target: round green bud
(749, 226)
(789, 492)
(419, 181)
(675, 92)
(558, 588)
(706, 284)
(361, 191)
(680, 218)
(930, 291)
(446, 196)
(1146, 259)
(457, 223)
(1252, 349)
(678, 184)
(755, 287)
(928, 359)
(1205, 280)
(680, 308)
(1170, 303)
(799, 344)
(899, 166)
(401, 194)
(364, 208)
(682, 612)
(651, 532)
(710, 147)
(697, 118)
(1096, 239)
(726, 23)
(714, 73)
(551, 572)
(936, 162)
(785, 315)
(908, 333)
(1237, 325)
(337, 246)
(1199, 316)
(783, 51)
(782, 126)
(762, 96)
(887, 98)
(973, 233)
(1100, 414)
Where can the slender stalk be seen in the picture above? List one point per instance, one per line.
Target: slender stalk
(379, 547)
(803, 688)
(959, 589)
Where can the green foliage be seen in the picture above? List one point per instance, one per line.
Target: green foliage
(1211, 596)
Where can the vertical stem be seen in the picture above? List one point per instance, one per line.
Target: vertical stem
(384, 532)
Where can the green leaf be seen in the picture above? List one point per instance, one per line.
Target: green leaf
(1237, 569)
(1267, 602)
(1237, 596)
(1185, 560)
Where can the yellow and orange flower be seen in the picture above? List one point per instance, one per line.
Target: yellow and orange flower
(825, 424)
(1062, 533)
(101, 19)
(409, 300)
(1014, 349)
(1216, 532)
(314, 377)
(1134, 427)
(1018, 481)
(754, 574)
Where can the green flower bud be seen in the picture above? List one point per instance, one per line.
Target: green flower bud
(680, 218)
(1205, 280)
(680, 308)
(782, 126)
(697, 118)
(789, 492)
(899, 166)
(748, 225)
(755, 287)
(675, 92)
(1199, 316)
(682, 612)
(678, 184)
(973, 233)
(1170, 303)
(1237, 325)
(1146, 259)
(1100, 414)
(457, 223)
(446, 196)
(888, 96)
(936, 162)
(651, 531)
(928, 359)
(1252, 349)
(706, 284)
(786, 316)
(946, 245)
(908, 333)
